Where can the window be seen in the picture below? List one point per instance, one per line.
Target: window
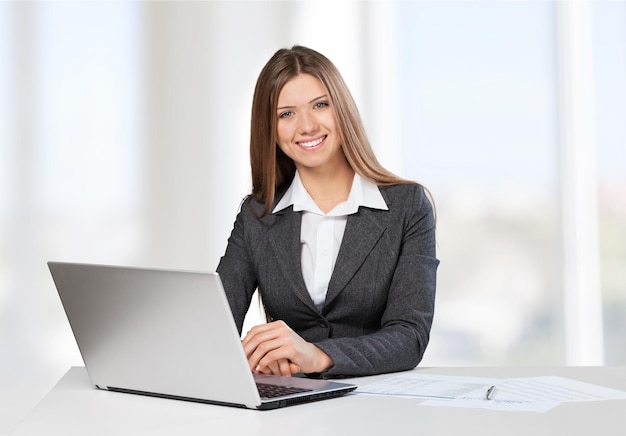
(480, 129)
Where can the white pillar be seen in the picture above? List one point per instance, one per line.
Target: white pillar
(583, 298)
(381, 104)
(199, 77)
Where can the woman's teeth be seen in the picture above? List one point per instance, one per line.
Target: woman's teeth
(312, 143)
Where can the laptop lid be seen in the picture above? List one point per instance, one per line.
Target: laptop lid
(166, 333)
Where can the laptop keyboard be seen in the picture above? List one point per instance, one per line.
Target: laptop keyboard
(273, 391)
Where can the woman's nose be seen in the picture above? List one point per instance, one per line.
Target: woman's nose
(307, 123)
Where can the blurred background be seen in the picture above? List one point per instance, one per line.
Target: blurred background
(124, 133)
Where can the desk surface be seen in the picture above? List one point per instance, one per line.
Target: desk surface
(74, 407)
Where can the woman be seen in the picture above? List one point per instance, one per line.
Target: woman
(341, 250)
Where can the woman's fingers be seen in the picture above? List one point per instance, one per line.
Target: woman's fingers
(267, 348)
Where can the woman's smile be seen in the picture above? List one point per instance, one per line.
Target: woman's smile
(312, 143)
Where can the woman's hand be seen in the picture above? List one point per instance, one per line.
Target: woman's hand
(274, 348)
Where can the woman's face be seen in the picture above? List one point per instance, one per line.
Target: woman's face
(306, 128)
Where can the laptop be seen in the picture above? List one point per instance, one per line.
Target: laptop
(169, 334)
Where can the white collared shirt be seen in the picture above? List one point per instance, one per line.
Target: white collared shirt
(321, 234)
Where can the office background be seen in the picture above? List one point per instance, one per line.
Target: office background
(123, 140)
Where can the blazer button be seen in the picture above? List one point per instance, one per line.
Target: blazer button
(322, 324)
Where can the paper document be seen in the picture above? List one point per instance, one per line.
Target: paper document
(533, 394)
(426, 386)
(553, 388)
(529, 394)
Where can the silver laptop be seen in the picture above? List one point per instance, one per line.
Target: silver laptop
(169, 334)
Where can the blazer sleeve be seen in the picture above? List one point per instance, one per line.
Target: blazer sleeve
(236, 268)
(405, 325)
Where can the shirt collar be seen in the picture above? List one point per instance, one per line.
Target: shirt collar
(363, 193)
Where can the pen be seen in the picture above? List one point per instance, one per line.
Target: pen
(490, 392)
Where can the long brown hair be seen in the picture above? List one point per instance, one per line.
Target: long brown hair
(272, 170)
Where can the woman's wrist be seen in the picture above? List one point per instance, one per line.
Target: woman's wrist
(322, 361)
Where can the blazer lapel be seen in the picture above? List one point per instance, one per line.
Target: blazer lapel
(363, 230)
(285, 239)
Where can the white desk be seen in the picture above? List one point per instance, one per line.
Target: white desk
(74, 407)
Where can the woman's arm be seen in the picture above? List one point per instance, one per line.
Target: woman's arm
(405, 324)
(237, 271)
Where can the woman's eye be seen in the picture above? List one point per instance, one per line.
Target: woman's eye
(321, 105)
(285, 114)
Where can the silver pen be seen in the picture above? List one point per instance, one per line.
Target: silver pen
(490, 392)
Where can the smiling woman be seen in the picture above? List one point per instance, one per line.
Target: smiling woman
(341, 250)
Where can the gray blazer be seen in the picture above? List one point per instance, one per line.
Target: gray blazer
(380, 301)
